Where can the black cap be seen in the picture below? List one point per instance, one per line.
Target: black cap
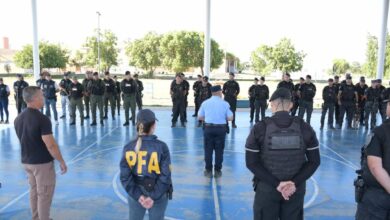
(379, 80)
(206, 78)
(308, 76)
(127, 73)
(281, 93)
(302, 78)
(362, 77)
(106, 73)
(19, 75)
(146, 116)
(336, 77)
(373, 81)
(349, 77)
(95, 74)
(232, 74)
(330, 80)
(362, 80)
(216, 88)
(199, 76)
(256, 79)
(262, 78)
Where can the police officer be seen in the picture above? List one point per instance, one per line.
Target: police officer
(386, 95)
(204, 93)
(375, 203)
(4, 93)
(296, 96)
(230, 90)
(140, 88)
(118, 94)
(286, 83)
(41, 80)
(371, 97)
(178, 93)
(261, 97)
(281, 164)
(329, 95)
(129, 92)
(109, 95)
(19, 85)
(96, 88)
(360, 89)
(147, 178)
(382, 107)
(306, 93)
(337, 106)
(215, 112)
(195, 87)
(76, 101)
(251, 93)
(50, 88)
(64, 84)
(87, 94)
(347, 99)
(187, 89)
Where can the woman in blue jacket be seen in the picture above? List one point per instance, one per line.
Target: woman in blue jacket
(145, 171)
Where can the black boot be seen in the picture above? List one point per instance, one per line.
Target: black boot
(93, 123)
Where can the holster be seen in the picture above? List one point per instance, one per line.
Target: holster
(227, 128)
(170, 192)
(360, 188)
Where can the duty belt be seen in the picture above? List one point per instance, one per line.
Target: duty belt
(214, 125)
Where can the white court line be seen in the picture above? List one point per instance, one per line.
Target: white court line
(315, 194)
(216, 200)
(70, 162)
(340, 161)
(346, 160)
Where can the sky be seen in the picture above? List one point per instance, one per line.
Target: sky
(323, 29)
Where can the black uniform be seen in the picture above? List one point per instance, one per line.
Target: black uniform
(329, 95)
(40, 82)
(337, 106)
(372, 105)
(18, 88)
(187, 86)
(296, 99)
(385, 96)
(4, 93)
(261, 97)
(294, 156)
(361, 101)
(307, 93)
(109, 96)
(382, 107)
(118, 96)
(87, 95)
(204, 94)
(76, 97)
(231, 89)
(49, 92)
(375, 203)
(178, 92)
(139, 95)
(348, 103)
(251, 93)
(195, 87)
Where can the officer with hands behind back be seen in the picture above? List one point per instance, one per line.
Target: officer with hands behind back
(282, 152)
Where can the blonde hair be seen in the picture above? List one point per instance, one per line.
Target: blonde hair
(140, 131)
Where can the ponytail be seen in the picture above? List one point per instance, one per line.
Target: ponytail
(140, 131)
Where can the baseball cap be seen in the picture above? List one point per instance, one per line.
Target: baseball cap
(146, 116)
(256, 79)
(216, 88)
(281, 93)
(127, 73)
(232, 74)
(96, 74)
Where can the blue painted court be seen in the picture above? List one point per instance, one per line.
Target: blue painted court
(91, 188)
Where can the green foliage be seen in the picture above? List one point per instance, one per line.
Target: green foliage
(50, 56)
(145, 53)
(371, 56)
(283, 57)
(77, 59)
(108, 50)
(356, 68)
(340, 66)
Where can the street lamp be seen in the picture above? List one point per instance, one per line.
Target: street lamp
(98, 40)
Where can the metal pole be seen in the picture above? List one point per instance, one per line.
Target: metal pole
(382, 40)
(207, 48)
(35, 40)
(98, 41)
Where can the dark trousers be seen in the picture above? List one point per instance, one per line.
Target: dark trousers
(214, 140)
(305, 106)
(4, 108)
(349, 108)
(179, 106)
(118, 103)
(270, 205)
(51, 103)
(382, 111)
(86, 103)
(295, 107)
(260, 106)
(371, 109)
(233, 105)
(185, 109)
(337, 113)
(252, 108)
(109, 97)
(138, 99)
(197, 105)
(362, 106)
(325, 107)
(375, 205)
(20, 104)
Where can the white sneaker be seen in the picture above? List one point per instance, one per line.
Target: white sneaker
(57, 123)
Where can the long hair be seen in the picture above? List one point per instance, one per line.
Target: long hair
(142, 129)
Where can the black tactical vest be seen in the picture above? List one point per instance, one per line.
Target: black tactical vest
(18, 87)
(231, 88)
(49, 89)
(96, 87)
(348, 93)
(308, 92)
(129, 86)
(3, 91)
(283, 150)
(205, 91)
(260, 92)
(75, 91)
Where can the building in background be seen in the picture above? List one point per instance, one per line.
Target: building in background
(7, 64)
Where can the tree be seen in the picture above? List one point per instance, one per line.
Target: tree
(285, 58)
(108, 50)
(77, 59)
(50, 56)
(340, 66)
(7, 68)
(145, 53)
(371, 56)
(261, 59)
(356, 68)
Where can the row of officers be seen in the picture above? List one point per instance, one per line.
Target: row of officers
(93, 93)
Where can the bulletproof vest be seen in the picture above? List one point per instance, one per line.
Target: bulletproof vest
(3, 91)
(18, 87)
(231, 88)
(348, 93)
(308, 92)
(330, 95)
(64, 84)
(178, 90)
(205, 91)
(96, 87)
(75, 90)
(49, 89)
(40, 82)
(118, 87)
(260, 92)
(128, 87)
(283, 150)
(252, 91)
(373, 94)
(287, 85)
(369, 179)
(110, 85)
(196, 87)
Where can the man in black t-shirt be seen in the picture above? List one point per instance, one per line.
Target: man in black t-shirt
(375, 203)
(39, 149)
